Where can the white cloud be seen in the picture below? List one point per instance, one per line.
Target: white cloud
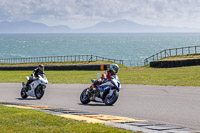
(82, 13)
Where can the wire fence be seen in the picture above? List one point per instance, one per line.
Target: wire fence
(72, 58)
(172, 52)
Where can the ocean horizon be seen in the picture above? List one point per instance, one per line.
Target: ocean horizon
(133, 47)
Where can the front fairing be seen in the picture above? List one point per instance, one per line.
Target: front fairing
(112, 83)
(105, 86)
(43, 80)
(116, 84)
(115, 81)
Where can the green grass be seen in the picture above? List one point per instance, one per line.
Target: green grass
(26, 121)
(182, 76)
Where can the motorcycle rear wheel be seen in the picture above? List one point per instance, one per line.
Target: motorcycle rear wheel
(85, 99)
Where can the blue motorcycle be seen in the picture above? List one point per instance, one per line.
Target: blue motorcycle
(107, 92)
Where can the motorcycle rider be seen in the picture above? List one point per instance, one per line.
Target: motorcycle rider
(111, 72)
(35, 74)
(106, 76)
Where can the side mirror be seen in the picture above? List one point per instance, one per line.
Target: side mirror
(98, 75)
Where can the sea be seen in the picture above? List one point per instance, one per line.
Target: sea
(132, 47)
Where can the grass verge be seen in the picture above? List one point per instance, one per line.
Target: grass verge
(25, 121)
(182, 76)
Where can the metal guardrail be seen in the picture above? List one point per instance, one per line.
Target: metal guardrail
(72, 58)
(172, 52)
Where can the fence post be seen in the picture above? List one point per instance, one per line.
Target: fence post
(161, 54)
(157, 56)
(182, 51)
(91, 57)
(145, 61)
(188, 50)
(195, 49)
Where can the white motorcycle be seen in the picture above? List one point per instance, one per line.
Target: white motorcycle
(36, 87)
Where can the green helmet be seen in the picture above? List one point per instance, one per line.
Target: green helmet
(114, 68)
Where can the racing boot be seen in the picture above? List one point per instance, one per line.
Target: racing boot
(27, 85)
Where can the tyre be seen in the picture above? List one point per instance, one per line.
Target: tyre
(84, 98)
(39, 92)
(23, 93)
(110, 100)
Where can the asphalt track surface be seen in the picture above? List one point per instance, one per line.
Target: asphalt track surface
(169, 104)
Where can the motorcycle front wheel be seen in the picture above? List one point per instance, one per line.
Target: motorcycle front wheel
(23, 93)
(39, 92)
(84, 97)
(110, 100)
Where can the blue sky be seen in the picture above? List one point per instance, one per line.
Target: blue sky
(84, 13)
